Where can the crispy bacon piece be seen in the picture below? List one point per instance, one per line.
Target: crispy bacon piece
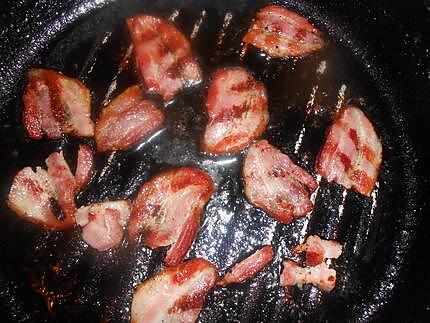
(55, 104)
(352, 153)
(167, 210)
(32, 195)
(162, 55)
(127, 120)
(84, 166)
(275, 184)
(321, 276)
(237, 109)
(175, 294)
(249, 267)
(103, 223)
(282, 33)
(317, 250)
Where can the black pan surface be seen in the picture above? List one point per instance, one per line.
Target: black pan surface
(53, 276)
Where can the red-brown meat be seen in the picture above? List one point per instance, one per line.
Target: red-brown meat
(237, 110)
(55, 104)
(127, 120)
(352, 153)
(84, 166)
(317, 250)
(175, 294)
(103, 223)
(249, 267)
(321, 276)
(275, 184)
(167, 210)
(162, 55)
(282, 33)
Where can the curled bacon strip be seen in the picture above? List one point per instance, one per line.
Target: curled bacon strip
(237, 109)
(167, 210)
(282, 33)
(249, 267)
(352, 153)
(317, 250)
(127, 120)
(84, 166)
(103, 223)
(55, 104)
(175, 294)
(162, 55)
(275, 184)
(321, 276)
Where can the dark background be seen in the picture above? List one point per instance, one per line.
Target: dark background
(399, 33)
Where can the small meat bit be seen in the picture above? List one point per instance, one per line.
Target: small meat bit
(127, 120)
(162, 55)
(249, 267)
(352, 153)
(175, 294)
(55, 104)
(84, 166)
(317, 250)
(236, 106)
(47, 197)
(30, 197)
(103, 223)
(275, 184)
(282, 33)
(321, 276)
(167, 211)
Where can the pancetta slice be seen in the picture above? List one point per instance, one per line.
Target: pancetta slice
(317, 250)
(274, 183)
(352, 153)
(103, 223)
(320, 276)
(55, 104)
(127, 120)
(167, 211)
(282, 33)
(84, 166)
(162, 55)
(236, 107)
(32, 196)
(175, 294)
(249, 267)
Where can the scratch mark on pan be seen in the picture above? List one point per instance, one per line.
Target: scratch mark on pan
(113, 84)
(92, 57)
(340, 97)
(198, 24)
(374, 196)
(108, 163)
(174, 15)
(227, 20)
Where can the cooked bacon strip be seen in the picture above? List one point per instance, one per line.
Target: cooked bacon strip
(352, 153)
(282, 33)
(249, 267)
(162, 55)
(175, 294)
(55, 104)
(317, 250)
(127, 120)
(321, 276)
(32, 195)
(275, 184)
(167, 210)
(63, 181)
(84, 166)
(237, 109)
(103, 223)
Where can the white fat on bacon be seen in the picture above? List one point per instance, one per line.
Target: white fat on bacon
(317, 250)
(175, 294)
(274, 183)
(103, 223)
